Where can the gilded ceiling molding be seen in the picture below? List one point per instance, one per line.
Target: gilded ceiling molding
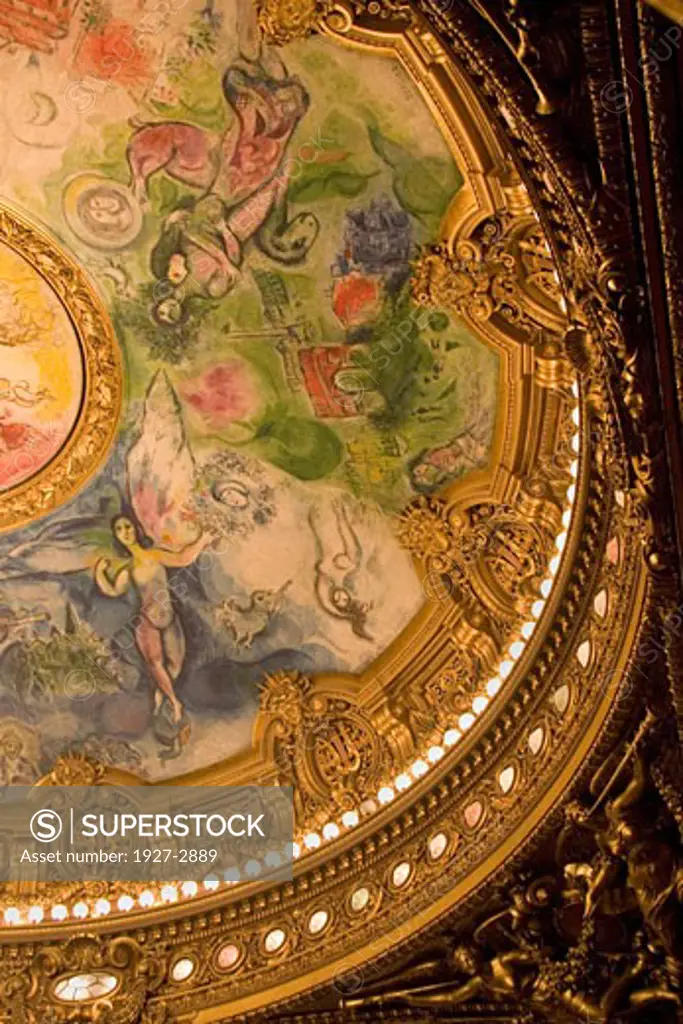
(618, 860)
(672, 8)
(586, 225)
(505, 270)
(326, 747)
(120, 969)
(282, 21)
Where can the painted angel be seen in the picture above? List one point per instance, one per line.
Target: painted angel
(130, 554)
(158, 629)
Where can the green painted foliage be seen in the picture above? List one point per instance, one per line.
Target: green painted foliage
(424, 186)
(303, 447)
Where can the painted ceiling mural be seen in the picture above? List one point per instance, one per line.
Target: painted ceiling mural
(42, 371)
(249, 217)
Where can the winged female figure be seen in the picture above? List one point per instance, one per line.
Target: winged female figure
(158, 630)
(152, 531)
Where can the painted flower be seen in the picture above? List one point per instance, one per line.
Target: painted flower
(356, 299)
(113, 53)
(222, 395)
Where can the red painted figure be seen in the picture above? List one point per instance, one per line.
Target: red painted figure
(237, 164)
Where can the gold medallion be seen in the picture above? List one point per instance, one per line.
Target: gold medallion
(61, 378)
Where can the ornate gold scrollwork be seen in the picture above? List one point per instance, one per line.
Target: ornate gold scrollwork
(487, 547)
(52, 984)
(504, 271)
(323, 745)
(282, 21)
(312, 733)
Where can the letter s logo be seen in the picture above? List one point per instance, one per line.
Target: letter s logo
(46, 826)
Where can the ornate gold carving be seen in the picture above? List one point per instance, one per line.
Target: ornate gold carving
(323, 746)
(393, 914)
(400, 9)
(436, 703)
(539, 265)
(558, 179)
(489, 543)
(282, 21)
(476, 281)
(504, 271)
(96, 426)
(513, 549)
(74, 770)
(551, 944)
(30, 990)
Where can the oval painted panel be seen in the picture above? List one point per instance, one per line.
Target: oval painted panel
(41, 371)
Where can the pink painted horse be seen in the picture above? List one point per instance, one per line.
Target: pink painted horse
(232, 166)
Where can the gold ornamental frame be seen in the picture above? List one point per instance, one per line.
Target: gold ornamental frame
(563, 697)
(94, 430)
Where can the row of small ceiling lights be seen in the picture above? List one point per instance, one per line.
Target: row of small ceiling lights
(350, 820)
